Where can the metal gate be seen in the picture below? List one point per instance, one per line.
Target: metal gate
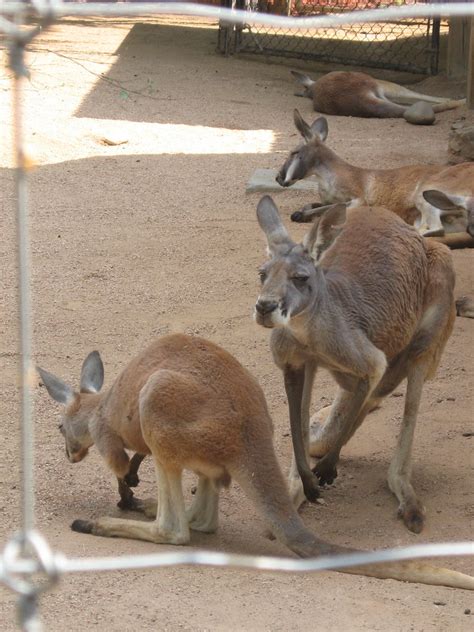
(410, 45)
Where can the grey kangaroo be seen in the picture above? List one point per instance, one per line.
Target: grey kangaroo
(369, 299)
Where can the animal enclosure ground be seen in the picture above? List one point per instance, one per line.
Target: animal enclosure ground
(145, 139)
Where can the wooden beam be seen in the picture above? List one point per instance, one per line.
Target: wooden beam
(470, 69)
(458, 47)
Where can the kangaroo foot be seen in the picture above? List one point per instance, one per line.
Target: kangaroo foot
(326, 471)
(413, 517)
(82, 526)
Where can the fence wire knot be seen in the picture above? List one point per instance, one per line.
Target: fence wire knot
(30, 547)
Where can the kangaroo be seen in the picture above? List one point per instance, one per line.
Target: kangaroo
(455, 197)
(358, 94)
(370, 300)
(192, 405)
(455, 203)
(400, 189)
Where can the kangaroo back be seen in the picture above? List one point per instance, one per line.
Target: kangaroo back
(375, 245)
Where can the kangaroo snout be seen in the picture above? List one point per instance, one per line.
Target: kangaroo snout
(264, 307)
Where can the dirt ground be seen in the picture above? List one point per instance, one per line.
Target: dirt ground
(156, 234)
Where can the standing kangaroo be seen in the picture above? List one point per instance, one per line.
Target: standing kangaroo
(399, 189)
(191, 405)
(358, 94)
(371, 301)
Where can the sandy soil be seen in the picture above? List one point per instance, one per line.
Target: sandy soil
(156, 234)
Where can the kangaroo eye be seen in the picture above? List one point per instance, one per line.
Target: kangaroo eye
(300, 280)
(61, 428)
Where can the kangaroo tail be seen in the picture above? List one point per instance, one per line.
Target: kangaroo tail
(262, 480)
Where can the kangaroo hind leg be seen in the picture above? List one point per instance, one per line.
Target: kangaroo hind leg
(405, 96)
(399, 474)
(170, 526)
(203, 513)
(378, 107)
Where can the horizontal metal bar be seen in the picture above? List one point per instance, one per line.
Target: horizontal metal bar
(57, 8)
(64, 564)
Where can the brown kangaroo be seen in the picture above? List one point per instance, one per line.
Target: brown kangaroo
(191, 405)
(346, 93)
(376, 308)
(400, 189)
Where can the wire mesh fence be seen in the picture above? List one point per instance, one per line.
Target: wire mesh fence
(407, 44)
(28, 566)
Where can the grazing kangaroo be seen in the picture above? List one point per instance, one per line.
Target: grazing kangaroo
(400, 189)
(191, 405)
(358, 94)
(371, 301)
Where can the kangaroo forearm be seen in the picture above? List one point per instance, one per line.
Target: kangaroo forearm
(294, 384)
(112, 451)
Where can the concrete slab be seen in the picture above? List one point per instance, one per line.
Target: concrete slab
(263, 180)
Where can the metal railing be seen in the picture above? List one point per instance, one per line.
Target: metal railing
(28, 565)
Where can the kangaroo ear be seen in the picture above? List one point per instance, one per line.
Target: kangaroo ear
(441, 200)
(302, 126)
(320, 128)
(92, 373)
(304, 80)
(58, 389)
(326, 227)
(270, 222)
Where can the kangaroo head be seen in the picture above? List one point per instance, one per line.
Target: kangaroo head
(78, 407)
(452, 208)
(307, 156)
(289, 278)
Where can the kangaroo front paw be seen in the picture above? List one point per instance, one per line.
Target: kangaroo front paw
(326, 471)
(132, 479)
(413, 517)
(297, 216)
(311, 490)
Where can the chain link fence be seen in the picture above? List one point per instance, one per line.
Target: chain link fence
(410, 45)
(28, 565)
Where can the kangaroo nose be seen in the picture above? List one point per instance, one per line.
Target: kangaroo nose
(266, 307)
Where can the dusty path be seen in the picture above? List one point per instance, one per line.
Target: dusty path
(155, 234)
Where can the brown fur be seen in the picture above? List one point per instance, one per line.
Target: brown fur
(377, 308)
(400, 189)
(193, 406)
(348, 93)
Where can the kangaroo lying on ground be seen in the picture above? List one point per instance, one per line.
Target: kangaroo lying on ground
(191, 405)
(450, 202)
(400, 189)
(376, 308)
(358, 94)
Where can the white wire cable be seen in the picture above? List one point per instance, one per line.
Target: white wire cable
(12, 564)
(62, 564)
(58, 8)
